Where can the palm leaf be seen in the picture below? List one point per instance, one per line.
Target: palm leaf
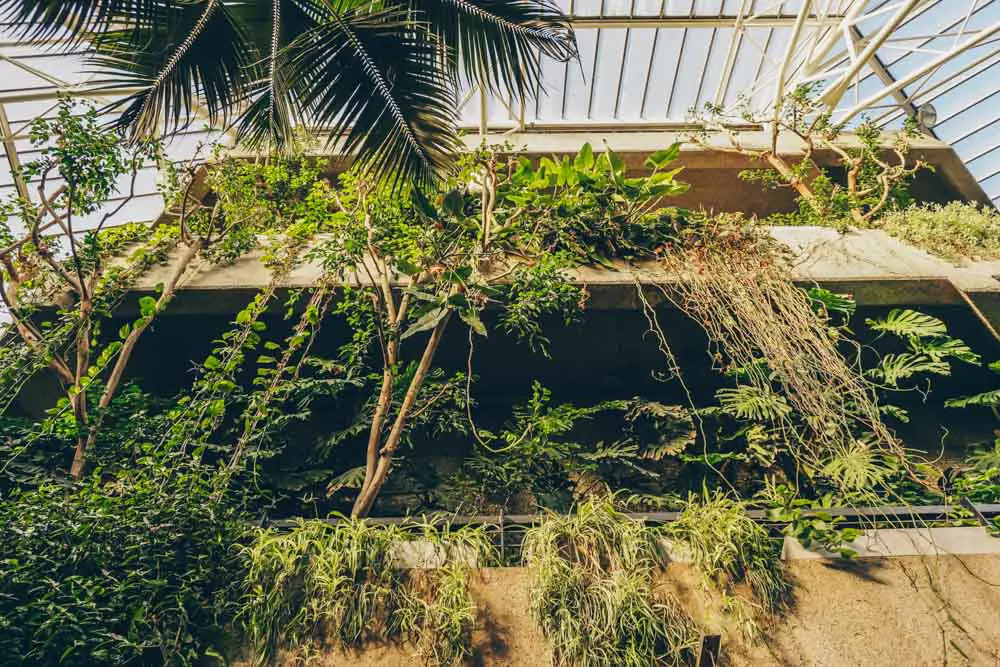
(77, 20)
(272, 110)
(376, 83)
(497, 43)
(209, 63)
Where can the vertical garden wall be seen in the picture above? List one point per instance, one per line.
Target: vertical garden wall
(195, 487)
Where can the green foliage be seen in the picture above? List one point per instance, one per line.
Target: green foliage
(592, 591)
(541, 289)
(754, 403)
(930, 347)
(807, 520)
(545, 453)
(140, 567)
(343, 582)
(956, 231)
(990, 399)
(731, 548)
(587, 207)
(872, 184)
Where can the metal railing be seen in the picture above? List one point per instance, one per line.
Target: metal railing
(507, 530)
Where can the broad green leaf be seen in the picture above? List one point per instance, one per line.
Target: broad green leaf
(428, 321)
(662, 158)
(585, 158)
(471, 318)
(906, 323)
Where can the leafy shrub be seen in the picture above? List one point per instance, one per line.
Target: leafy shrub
(592, 592)
(140, 568)
(954, 231)
(342, 583)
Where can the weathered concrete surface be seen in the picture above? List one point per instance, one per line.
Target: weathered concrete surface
(882, 543)
(876, 268)
(888, 612)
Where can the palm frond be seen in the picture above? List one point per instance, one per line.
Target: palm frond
(377, 85)
(77, 20)
(272, 110)
(209, 63)
(906, 323)
(497, 43)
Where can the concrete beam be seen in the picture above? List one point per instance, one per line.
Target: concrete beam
(874, 267)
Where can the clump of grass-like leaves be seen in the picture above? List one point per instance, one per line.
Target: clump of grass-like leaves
(592, 591)
(343, 584)
(956, 231)
(730, 548)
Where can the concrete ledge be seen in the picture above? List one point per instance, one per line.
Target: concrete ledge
(893, 542)
(875, 268)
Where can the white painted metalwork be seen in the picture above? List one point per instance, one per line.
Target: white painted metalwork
(647, 63)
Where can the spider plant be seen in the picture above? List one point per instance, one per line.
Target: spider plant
(731, 548)
(343, 583)
(592, 592)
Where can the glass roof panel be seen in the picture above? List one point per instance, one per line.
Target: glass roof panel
(648, 62)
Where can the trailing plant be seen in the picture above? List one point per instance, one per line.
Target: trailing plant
(592, 591)
(346, 582)
(773, 336)
(730, 548)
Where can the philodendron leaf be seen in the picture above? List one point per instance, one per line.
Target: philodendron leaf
(427, 321)
(662, 158)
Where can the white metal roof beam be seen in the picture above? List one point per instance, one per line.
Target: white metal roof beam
(10, 148)
(919, 73)
(728, 21)
(832, 95)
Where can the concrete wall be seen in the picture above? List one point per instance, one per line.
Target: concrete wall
(904, 611)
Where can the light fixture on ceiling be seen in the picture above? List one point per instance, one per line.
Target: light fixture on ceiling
(927, 116)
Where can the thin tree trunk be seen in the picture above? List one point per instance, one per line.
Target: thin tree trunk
(118, 370)
(368, 493)
(786, 172)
